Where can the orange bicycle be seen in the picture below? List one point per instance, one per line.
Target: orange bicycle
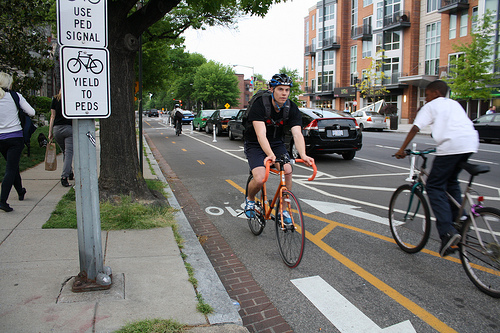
(290, 231)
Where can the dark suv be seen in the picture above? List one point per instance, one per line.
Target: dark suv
(327, 132)
(153, 113)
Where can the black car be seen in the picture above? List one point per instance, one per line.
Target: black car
(488, 127)
(220, 118)
(235, 126)
(153, 113)
(327, 132)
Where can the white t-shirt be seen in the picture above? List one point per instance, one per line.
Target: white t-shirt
(9, 118)
(451, 128)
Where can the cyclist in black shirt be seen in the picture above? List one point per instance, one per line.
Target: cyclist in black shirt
(264, 136)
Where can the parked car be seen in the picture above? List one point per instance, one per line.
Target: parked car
(200, 119)
(235, 128)
(370, 120)
(327, 132)
(488, 127)
(220, 118)
(187, 117)
(153, 113)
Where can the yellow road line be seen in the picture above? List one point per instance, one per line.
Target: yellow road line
(183, 149)
(377, 283)
(201, 162)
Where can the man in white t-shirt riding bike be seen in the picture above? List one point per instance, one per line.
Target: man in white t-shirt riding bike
(456, 141)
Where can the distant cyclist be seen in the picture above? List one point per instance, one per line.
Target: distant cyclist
(264, 137)
(178, 117)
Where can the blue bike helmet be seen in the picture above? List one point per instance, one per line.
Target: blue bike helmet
(280, 80)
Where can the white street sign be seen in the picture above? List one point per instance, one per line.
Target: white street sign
(85, 82)
(82, 23)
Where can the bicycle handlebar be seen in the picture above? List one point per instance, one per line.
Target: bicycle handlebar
(292, 161)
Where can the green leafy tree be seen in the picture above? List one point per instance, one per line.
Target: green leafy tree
(216, 85)
(26, 51)
(119, 156)
(371, 84)
(471, 75)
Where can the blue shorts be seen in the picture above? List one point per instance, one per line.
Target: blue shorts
(255, 155)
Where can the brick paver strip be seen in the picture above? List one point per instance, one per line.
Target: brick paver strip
(257, 311)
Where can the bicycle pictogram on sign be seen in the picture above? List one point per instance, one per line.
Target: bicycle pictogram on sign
(94, 65)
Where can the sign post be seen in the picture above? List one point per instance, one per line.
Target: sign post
(84, 60)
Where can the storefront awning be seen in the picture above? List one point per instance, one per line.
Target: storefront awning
(418, 80)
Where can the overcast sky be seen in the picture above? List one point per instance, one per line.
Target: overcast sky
(267, 44)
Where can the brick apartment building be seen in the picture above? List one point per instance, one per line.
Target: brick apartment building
(416, 36)
(246, 92)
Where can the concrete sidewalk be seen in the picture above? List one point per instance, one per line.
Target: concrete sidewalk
(37, 267)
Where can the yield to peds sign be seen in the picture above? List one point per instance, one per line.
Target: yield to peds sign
(85, 78)
(82, 23)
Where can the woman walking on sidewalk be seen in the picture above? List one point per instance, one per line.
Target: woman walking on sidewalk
(11, 140)
(60, 128)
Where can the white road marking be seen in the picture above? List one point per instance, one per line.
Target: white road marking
(346, 317)
(330, 207)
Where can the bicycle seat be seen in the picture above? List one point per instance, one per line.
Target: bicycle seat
(474, 169)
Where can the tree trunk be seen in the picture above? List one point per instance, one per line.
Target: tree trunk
(119, 172)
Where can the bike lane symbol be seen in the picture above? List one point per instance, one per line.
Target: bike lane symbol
(217, 211)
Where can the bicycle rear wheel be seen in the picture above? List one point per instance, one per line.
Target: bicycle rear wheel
(291, 239)
(256, 223)
(409, 219)
(482, 263)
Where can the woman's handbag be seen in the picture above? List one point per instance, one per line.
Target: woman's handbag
(51, 157)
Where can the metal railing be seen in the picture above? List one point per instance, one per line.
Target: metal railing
(401, 17)
(361, 31)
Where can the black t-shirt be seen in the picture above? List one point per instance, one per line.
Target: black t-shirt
(274, 133)
(59, 119)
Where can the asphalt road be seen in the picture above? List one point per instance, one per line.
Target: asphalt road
(353, 278)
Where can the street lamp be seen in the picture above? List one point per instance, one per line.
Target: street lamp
(355, 81)
(252, 72)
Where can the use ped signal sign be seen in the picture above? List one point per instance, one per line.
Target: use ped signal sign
(82, 23)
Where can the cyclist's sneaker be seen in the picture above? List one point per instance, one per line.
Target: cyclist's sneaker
(448, 244)
(286, 218)
(249, 208)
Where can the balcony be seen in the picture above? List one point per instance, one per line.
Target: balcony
(331, 43)
(392, 81)
(452, 6)
(310, 50)
(325, 88)
(363, 32)
(309, 90)
(397, 20)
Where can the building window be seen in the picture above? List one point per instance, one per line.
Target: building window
(354, 14)
(367, 49)
(313, 21)
(474, 19)
(329, 12)
(378, 42)
(319, 59)
(307, 65)
(367, 2)
(453, 26)
(307, 33)
(312, 63)
(453, 57)
(392, 41)
(328, 58)
(392, 7)
(391, 70)
(432, 5)
(380, 14)
(432, 46)
(354, 59)
(464, 21)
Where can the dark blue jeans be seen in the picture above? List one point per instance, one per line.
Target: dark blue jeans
(444, 178)
(11, 150)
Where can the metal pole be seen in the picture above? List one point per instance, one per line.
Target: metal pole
(93, 275)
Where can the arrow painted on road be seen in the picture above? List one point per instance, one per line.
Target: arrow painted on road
(330, 207)
(346, 317)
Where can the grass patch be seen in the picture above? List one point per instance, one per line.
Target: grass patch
(126, 214)
(153, 326)
(37, 153)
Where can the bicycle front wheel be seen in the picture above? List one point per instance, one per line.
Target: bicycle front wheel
(482, 261)
(256, 223)
(409, 219)
(291, 237)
